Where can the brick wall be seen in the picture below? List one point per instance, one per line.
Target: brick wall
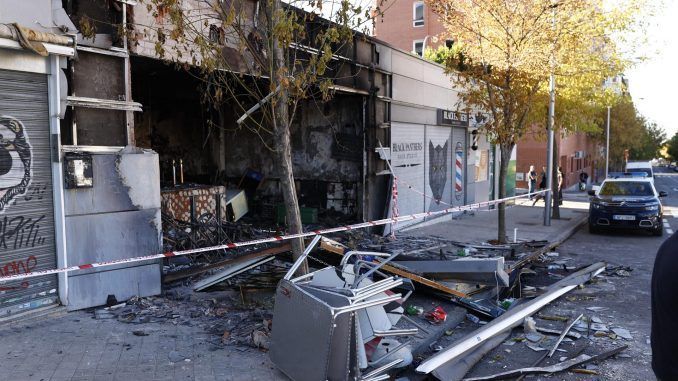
(396, 27)
(532, 151)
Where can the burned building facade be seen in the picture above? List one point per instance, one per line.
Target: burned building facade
(112, 138)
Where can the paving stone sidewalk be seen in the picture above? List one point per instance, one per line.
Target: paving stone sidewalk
(481, 226)
(78, 347)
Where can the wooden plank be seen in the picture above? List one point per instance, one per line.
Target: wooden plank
(337, 248)
(425, 281)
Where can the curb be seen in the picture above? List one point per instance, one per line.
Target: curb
(567, 233)
(557, 241)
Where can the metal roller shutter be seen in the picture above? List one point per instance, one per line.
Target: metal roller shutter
(26, 205)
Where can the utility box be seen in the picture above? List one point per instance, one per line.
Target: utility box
(117, 217)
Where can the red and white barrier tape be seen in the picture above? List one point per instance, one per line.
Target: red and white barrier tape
(361, 225)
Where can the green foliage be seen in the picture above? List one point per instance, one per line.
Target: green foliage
(672, 147)
(629, 130)
(442, 54)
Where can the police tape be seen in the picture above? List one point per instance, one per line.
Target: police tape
(362, 225)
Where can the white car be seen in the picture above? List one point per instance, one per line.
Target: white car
(641, 166)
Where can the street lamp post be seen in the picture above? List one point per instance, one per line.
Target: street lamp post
(607, 143)
(549, 150)
(551, 120)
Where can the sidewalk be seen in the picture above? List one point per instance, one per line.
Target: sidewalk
(481, 226)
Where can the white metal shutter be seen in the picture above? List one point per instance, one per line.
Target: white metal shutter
(26, 205)
(408, 159)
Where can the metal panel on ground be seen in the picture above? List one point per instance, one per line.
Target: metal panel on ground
(27, 233)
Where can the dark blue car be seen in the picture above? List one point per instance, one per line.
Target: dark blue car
(626, 203)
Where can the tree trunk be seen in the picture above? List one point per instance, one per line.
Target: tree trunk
(283, 149)
(505, 153)
(555, 200)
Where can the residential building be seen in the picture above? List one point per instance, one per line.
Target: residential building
(410, 26)
(577, 152)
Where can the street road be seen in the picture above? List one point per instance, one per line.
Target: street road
(629, 300)
(625, 299)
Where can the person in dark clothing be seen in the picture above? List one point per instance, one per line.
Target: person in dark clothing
(531, 181)
(664, 335)
(583, 179)
(542, 186)
(560, 185)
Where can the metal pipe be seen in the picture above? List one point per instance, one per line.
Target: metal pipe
(361, 290)
(381, 369)
(258, 105)
(369, 303)
(563, 334)
(377, 291)
(375, 268)
(302, 257)
(607, 143)
(383, 377)
(549, 151)
(181, 171)
(510, 319)
(396, 332)
(174, 172)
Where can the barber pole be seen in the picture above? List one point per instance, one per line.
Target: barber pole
(458, 184)
(394, 212)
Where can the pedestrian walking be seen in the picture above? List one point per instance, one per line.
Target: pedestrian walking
(542, 186)
(531, 181)
(664, 336)
(560, 185)
(583, 179)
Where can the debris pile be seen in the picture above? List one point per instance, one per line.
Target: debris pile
(375, 307)
(219, 313)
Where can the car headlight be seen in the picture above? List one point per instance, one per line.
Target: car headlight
(652, 207)
(597, 206)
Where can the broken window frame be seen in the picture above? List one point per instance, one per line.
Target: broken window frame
(127, 105)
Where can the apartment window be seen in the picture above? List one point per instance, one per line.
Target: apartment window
(418, 14)
(418, 47)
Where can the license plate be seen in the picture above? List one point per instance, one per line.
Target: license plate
(623, 217)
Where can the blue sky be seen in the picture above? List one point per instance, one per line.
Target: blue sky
(653, 83)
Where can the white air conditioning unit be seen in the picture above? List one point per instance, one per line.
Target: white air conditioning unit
(579, 154)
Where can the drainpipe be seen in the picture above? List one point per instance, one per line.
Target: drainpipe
(54, 94)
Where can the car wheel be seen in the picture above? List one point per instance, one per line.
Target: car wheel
(658, 231)
(593, 229)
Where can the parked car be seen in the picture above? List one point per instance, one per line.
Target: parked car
(626, 202)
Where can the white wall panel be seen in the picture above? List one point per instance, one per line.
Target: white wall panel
(407, 160)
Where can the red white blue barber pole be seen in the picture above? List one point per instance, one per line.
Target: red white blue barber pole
(458, 179)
